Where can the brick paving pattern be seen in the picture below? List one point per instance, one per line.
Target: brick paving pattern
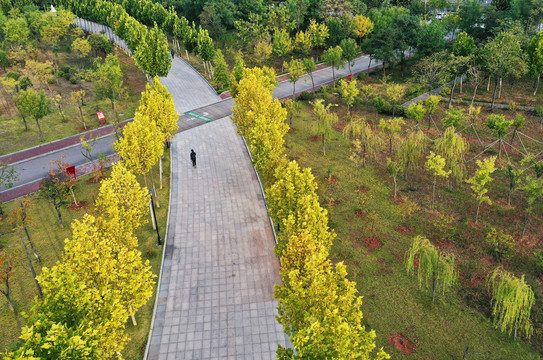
(216, 292)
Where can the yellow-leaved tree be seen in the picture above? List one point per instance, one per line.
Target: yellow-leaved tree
(157, 103)
(122, 197)
(261, 119)
(98, 254)
(141, 145)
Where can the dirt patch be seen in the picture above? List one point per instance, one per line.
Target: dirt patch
(373, 242)
(430, 132)
(398, 200)
(291, 130)
(400, 342)
(79, 205)
(504, 204)
(331, 179)
(359, 213)
(95, 179)
(445, 243)
(476, 226)
(473, 280)
(315, 138)
(407, 230)
(362, 189)
(339, 126)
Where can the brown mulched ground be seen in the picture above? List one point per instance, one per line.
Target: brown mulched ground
(401, 343)
(373, 242)
(80, 204)
(408, 230)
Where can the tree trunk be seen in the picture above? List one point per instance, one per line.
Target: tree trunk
(434, 191)
(450, 183)
(488, 83)
(393, 109)
(134, 322)
(82, 118)
(31, 244)
(293, 89)
(40, 294)
(61, 113)
(433, 287)
(473, 97)
(452, 90)
(537, 83)
(494, 95)
(429, 121)
(24, 118)
(323, 148)
(334, 75)
(59, 214)
(369, 64)
(500, 90)
(384, 69)
(312, 81)
(395, 186)
(151, 213)
(364, 155)
(350, 71)
(461, 83)
(6, 294)
(477, 214)
(513, 137)
(39, 129)
(73, 195)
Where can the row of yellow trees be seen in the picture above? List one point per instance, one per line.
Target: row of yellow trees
(102, 279)
(318, 306)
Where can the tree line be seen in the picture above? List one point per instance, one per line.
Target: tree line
(87, 297)
(318, 305)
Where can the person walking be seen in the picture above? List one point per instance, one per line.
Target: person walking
(172, 53)
(193, 157)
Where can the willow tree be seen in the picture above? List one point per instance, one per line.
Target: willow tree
(480, 180)
(499, 126)
(295, 70)
(435, 164)
(366, 143)
(393, 168)
(452, 147)
(533, 187)
(411, 150)
(431, 106)
(416, 112)
(433, 266)
(512, 300)
(325, 120)
(349, 92)
(391, 127)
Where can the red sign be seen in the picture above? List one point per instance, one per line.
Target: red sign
(101, 118)
(70, 170)
(349, 77)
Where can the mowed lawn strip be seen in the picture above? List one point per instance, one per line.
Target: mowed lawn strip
(48, 239)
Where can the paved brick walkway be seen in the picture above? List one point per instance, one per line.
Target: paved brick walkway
(216, 291)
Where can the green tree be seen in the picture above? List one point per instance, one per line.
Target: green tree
(463, 45)
(332, 58)
(349, 93)
(533, 188)
(282, 44)
(393, 168)
(435, 164)
(411, 151)
(295, 71)
(395, 92)
(366, 143)
(108, 81)
(35, 104)
(77, 98)
(431, 38)
(416, 111)
(431, 71)
(318, 33)
(431, 106)
(325, 121)
(309, 66)
(535, 57)
(433, 265)
(152, 54)
(452, 147)
(517, 123)
(391, 127)
(349, 51)
(479, 181)
(512, 301)
(6, 272)
(16, 30)
(362, 26)
(55, 190)
(499, 126)
(262, 50)
(502, 55)
(221, 75)
(302, 43)
(502, 244)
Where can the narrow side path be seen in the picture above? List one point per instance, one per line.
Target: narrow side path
(215, 297)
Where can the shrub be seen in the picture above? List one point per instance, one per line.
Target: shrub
(306, 96)
(538, 256)
(381, 105)
(538, 111)
(446, 91)
(362, 76)
(501, 244)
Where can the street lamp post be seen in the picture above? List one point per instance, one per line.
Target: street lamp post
(154, 217)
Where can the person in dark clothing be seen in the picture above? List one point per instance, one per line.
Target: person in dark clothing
(172, 52)
(193, 157)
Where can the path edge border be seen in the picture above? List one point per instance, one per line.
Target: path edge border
(147, 346)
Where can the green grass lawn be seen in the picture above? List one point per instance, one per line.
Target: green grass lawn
(49, 238)
(393, 301)
(14, 137)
